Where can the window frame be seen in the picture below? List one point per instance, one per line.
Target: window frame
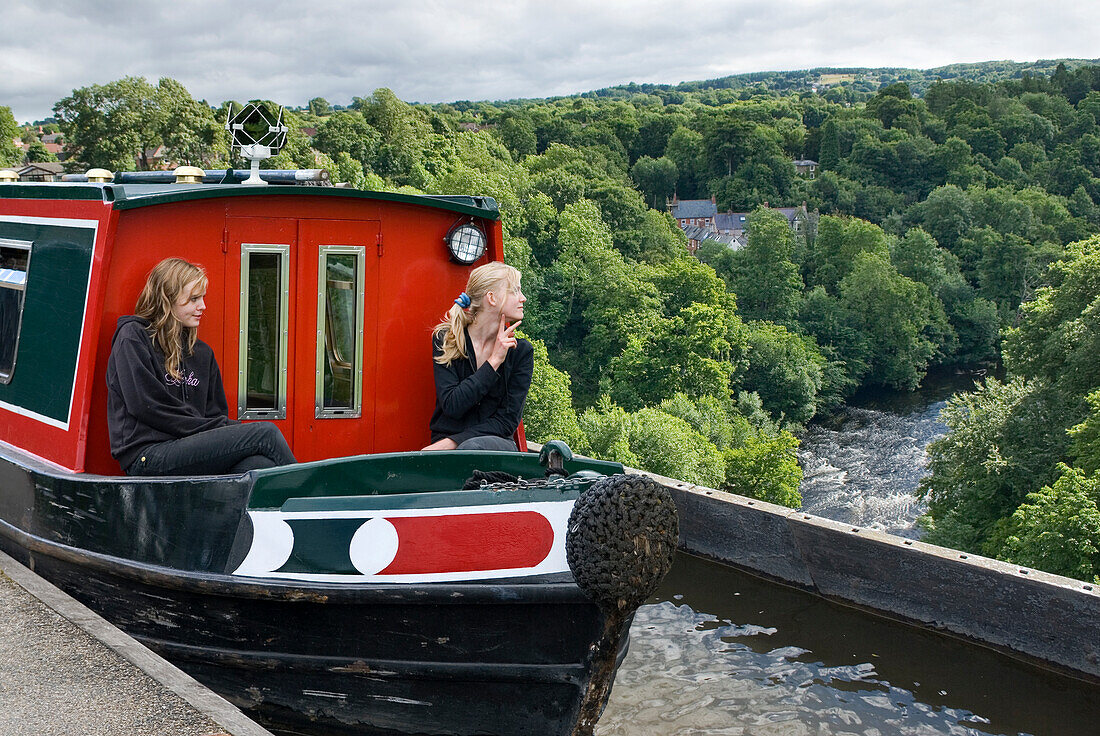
(28, 246)
(279, 412)
(356, 409)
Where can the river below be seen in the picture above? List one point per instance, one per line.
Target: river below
(862, 465)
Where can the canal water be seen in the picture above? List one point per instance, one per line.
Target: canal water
(720, 652)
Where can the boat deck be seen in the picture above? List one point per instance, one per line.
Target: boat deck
(65, 670)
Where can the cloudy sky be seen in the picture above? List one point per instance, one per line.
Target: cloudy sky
(441, 51)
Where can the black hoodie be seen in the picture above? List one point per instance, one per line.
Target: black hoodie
(145, 405)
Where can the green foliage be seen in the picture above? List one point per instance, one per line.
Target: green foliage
(656, 178)
(1057, 529)
(10, 155)
(762, 274)
(116, 125)
(765, 467)
(998, 450)
(940, 217)
(187, 127)
(834, 252)
(37, 152)
(1085, 437)
(1058, 338)
(347, 132)
(112, 125)
(786, 370)
(607, 429)
(548, 413)
(895, 314)
(668, 446)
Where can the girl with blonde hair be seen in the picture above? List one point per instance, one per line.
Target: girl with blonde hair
(167, 413)
(482, 370)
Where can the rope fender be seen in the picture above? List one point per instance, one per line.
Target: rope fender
(621, 539)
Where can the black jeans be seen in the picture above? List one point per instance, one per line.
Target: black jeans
(488, 442)
(232, 449)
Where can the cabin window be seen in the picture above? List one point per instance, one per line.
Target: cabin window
(341, 270)
(15, 258)
(265, 297)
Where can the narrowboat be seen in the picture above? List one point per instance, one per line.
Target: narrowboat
(369, 589)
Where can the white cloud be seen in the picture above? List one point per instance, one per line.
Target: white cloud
(436, 50)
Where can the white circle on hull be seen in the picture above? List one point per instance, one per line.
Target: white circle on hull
(373, 546)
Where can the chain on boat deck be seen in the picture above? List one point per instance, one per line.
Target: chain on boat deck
(64, 670)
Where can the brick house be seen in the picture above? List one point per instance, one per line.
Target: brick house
(693, 211)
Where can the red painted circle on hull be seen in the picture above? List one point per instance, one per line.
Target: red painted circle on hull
(470, 542)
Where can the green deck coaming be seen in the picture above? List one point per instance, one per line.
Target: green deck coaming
(53, 315)
(132, 196)
(400, 477)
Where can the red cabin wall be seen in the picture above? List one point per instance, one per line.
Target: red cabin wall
(414, 283)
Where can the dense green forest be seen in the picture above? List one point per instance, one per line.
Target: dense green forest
(952, 228)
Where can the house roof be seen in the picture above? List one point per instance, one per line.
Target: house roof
(731, 220)
(805, 162)
(702, 234)
(694, 208)
(49, 167)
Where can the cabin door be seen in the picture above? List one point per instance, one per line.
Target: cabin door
(259, 289)
(334, 360)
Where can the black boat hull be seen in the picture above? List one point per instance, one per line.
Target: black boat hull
(504, 657)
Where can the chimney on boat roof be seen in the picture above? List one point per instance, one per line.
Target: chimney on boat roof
(189, 174)
(100, 176)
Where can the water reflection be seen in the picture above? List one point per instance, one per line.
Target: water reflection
(720, 652)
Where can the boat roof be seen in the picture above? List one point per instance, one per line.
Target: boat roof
(132, 196)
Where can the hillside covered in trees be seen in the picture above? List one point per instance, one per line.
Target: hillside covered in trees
(941, 222)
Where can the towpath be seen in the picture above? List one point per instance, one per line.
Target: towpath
(66, 671)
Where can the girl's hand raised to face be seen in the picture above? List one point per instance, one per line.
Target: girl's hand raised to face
(506, 340)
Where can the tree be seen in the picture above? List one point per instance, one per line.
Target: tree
(548, 413)
(37, 152)
(319, 107)
(1057, 529)
(518, 134)
(656, 178)
(406, 136)
(829, 157)
(945, 215)
(187, 127)
(1000, 448)
(765, 467)
(1058, 337)
(347, 132)
(10, 154)
(839, 241)
(786, 370)
(111, 126)
(894, 313)
(763, 276)
(668, 446)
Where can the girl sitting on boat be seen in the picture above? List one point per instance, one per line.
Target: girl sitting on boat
(167, 413)
(482, 370)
